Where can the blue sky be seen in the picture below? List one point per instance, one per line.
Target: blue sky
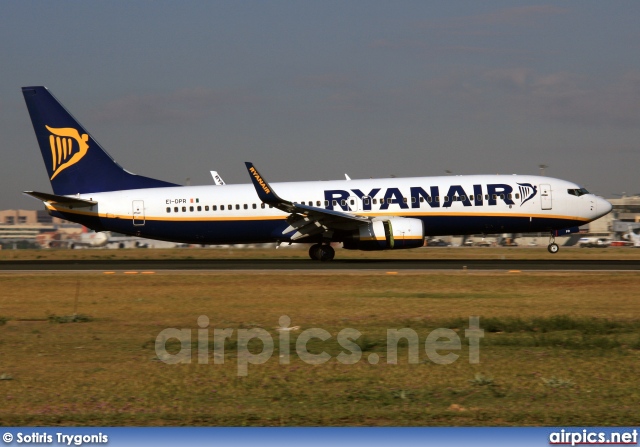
(311, 90)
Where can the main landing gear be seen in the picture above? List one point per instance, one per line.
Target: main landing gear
(321, 252)
(553, 247)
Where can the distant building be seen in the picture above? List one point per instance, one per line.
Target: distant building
(30, 217)
(26, 225)
(626, 209)
(625, 213)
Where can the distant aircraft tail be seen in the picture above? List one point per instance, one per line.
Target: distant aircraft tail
(74, 160)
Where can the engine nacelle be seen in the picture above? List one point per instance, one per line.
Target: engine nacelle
(394, 233)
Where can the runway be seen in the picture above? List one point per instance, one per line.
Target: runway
(304, 264)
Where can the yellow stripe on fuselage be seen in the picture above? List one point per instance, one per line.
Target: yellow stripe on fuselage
(282, 217)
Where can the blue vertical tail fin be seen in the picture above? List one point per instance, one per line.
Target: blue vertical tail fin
(75, 162)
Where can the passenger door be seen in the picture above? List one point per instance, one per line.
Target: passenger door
(545, 197)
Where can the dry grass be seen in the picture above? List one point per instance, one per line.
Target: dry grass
(563, 349)
(300, 252)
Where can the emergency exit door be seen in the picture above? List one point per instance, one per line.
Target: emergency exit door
(138, 212)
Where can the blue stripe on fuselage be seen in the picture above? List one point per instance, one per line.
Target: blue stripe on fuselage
(259, 231)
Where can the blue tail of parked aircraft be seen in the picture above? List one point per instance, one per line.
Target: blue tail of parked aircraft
(74, 160)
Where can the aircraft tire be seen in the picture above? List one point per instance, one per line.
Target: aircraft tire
(553, 248)
(327, 253)
(314, 252)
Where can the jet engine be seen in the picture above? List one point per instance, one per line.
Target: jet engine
(390, 234)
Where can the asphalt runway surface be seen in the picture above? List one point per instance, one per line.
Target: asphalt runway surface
(298, 264)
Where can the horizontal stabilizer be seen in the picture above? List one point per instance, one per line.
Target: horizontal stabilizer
(62, 200)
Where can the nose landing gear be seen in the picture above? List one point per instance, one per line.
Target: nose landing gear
(553, 247)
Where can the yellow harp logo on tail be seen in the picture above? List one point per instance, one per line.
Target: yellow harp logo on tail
(64, 152)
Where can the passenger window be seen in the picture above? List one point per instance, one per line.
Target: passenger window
(254, 206)
(413, 200)
(509, 196)
(246, 207)
(446, 198)
(365, 201)
(502, 196)
(175, 209)
(343, 202)
(437, 198)
(479, 197)
(184, 209)
(495, 197)
(334, 202)
(326, 203)
(463, 198)
(318, 203)
(352, 202)
(375, 201)
(168, 209)
(237, 206)
(191, 209)
(199, 208)
(404, 199)
(206, 207)
(262, 205)
(486, 197)
(229, 207)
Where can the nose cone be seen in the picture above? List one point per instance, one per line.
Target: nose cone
(604, 207)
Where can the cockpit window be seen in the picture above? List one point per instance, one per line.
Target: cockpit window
(577, 192)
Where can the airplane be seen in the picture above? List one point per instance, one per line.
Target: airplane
(91, 188)
(632, 236)
(217, 180)
(88, 239)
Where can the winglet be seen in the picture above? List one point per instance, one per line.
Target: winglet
(264, 190)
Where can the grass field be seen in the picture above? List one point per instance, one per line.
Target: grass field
(300, 252)
(560, 348)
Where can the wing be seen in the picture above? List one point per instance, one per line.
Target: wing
(303, 219)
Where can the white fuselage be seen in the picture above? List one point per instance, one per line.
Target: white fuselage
(447, 205)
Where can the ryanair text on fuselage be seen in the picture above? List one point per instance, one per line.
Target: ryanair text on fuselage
(489, 195)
